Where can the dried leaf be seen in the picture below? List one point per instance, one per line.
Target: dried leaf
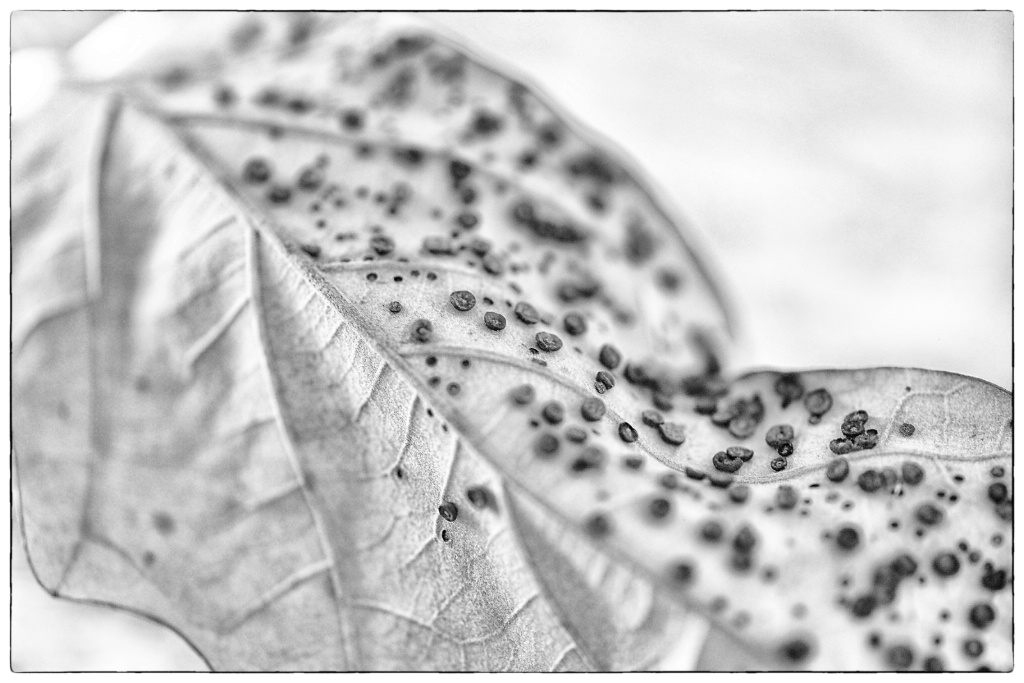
(259, 397)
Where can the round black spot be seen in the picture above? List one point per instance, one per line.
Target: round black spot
(575, 434)
(796, 650)
(913, 474)
(310, 179)
(778, 435)
(627, 432)
(598, 526)
(527, 313)
(847, 538)
(785, 449)
(546, 445)
(575, 324)
(864, 605)
(786, 497)
(712, 531)
(934, 664)
(467, 219)
(462, 300)
(546, 341)
(279, 194)
(929, 514)
(869, 481)
(724, 462)
(422, 330)
(903, 566)
(694, 473)
(994, 580)
(494, 321)
(946, 564)
(837, 470)
(778, 464)
(257, 171)
(609, 356)
(395, 307)
(523, 394)
(973, 648)
(480, 496)
(553, 412)
(745, 540)
(907, 429)
(652, 418)
(352, 119)
(445, 536)
(449, 511)
(683, 573)
(818, 402)
(454, 389)
(659, 507)
(789, 387)
(900, 657)
(982, 615)
(841, 446)
(742, 426)
(998, 471)
(672, 433)
(998, 492)
(739, 494)
(889, 479)
(592, 409)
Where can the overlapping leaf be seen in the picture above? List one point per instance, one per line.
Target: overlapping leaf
(248, 368)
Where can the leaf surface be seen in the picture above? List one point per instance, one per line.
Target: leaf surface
(247, 368)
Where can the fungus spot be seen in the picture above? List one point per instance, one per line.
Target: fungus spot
(672, 433)
(523, 394)
(553, 412)
(627, 432)
(609, 356)
(598, 525)
(575, 324)
(946, 564)
(982, 615)
(790, 388)
(683, 573)
(928, 514)
(449, 511)
(527, 313)
(724, 462)
(592, 409)
(546, 445)
(422, 330)
(778, 464)
(786, 497)
(848, 538)
(907, 429)
(395, 307)
(912, 473)
(652, 418)
(818, 402)
(546, 341)
(494, 321)
(778, 435)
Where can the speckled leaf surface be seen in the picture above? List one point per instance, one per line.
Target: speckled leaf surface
(333, 348)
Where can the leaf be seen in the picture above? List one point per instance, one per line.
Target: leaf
(249, 440)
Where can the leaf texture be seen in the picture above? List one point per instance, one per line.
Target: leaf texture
(258, 397)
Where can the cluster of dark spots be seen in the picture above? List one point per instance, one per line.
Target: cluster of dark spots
(786, 497)
(553, 412)
(449, 511)
(546, 341)
(593, 166)
(546, 445)
(591, 458)
(627, 432)
(837, 470)
(790, 388)
(993, 579)
(672, 433)
(817, 402)
(946, 564)
(422, 331)
(603, 381)
(575, 434)
(741, 417)
(523, 394)
(526, 313)
(724, 462)
(592, 409)
(494, 321)
(855, 435)
(565, 231)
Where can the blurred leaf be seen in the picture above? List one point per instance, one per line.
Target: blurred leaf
(52, 29)
(258, 397)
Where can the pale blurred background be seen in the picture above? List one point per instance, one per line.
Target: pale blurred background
(850, 174)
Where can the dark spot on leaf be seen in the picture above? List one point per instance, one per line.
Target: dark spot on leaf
(627, 433)
(462, 300)
(671, 432)
(973, 648)
(598, 525)
(546, 445)
(546, 341)
(818, 402)
(449, 511)
(494, 321)
(523, 394)
(592, 409)
(929, 514)
(946, 564)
